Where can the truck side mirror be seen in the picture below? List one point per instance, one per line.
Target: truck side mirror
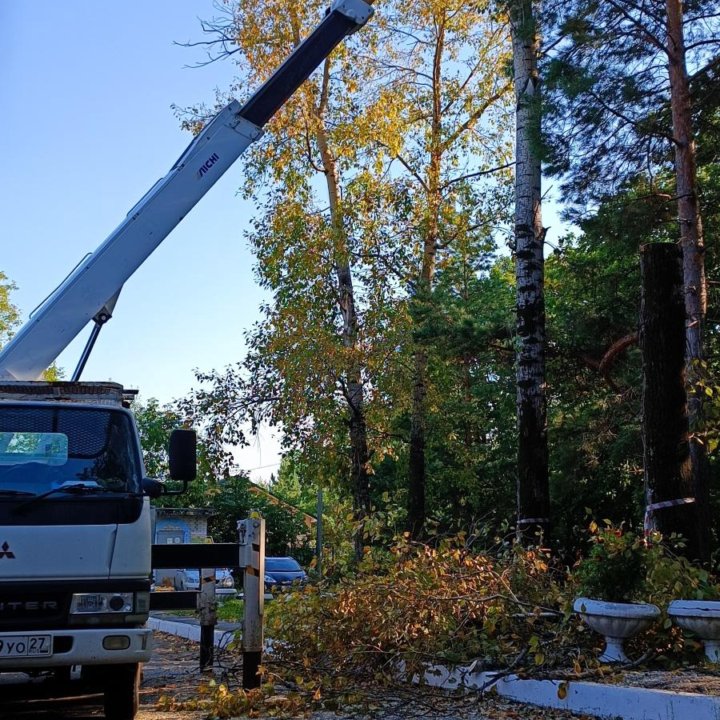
(183, 455)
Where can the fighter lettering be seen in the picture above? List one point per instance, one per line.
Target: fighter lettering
(14, 605)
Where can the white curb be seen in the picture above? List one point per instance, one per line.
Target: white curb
(188, 631)
(613, 701)
(602, 701)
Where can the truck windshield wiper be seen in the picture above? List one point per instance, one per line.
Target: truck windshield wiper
(79, 488)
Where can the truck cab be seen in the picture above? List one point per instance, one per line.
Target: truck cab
(75, 537)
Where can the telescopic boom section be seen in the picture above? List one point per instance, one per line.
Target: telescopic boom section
(96, 282)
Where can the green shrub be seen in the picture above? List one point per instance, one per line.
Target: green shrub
(615, 569)
(624, 567)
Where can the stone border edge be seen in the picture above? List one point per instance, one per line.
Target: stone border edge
(603, 701)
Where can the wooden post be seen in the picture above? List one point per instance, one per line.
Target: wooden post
(208, 618)
(251, 535)
(669, 496)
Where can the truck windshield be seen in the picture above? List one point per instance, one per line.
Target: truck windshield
(42, 448)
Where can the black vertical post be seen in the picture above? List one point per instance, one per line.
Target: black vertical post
(208, 618)
(670, 503)
(251, 667)
(207, 646)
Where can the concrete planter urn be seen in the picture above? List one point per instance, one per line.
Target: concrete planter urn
(616, 621)
(701, 617)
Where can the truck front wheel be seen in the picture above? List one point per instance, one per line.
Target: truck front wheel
(122, 692)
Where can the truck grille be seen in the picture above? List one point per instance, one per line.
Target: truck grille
(33, 609)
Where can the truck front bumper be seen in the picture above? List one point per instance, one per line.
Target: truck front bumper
(94, 646)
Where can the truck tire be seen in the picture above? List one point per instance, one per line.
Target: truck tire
(122, 692)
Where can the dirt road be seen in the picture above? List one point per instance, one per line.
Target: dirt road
(174, 673)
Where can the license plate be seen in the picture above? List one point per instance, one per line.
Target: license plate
(25, 645)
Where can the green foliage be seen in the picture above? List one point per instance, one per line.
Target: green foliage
(670, 576)
(295, 375)
(285, 531)
(622, 566)
(8, 312)
(231, 610)
(615, 568)
(155, 423)
(292, 485)
(607, 112)
(708, 428)
(373, 222)
(592, 300)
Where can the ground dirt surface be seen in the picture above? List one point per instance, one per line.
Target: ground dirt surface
(173, 676)
(703, 681)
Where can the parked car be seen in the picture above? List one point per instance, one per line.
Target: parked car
(189, 579)
(283, 572)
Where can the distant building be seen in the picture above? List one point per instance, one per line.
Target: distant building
(175, 526)
(181, 525)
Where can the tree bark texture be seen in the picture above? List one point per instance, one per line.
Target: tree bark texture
(693, 249)
(352, 380)
(665, 430)
(533, 495)
(417, 480)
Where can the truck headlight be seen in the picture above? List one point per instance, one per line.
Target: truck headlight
(110, 603)
(102, 602)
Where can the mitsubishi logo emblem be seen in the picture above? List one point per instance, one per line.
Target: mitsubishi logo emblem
(5, 552)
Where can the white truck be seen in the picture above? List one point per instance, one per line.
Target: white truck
(75, 521)
(75, 537)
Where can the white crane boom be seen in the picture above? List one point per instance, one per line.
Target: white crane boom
(91, 289)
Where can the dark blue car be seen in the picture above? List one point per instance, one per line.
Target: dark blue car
(282, 572)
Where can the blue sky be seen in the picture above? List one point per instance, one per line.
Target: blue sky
(86, 90)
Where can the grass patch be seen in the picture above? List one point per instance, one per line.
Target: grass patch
(230, 610)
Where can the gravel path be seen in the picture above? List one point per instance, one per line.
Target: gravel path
(173, 673)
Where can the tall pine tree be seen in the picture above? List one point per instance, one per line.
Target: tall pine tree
(622, 108)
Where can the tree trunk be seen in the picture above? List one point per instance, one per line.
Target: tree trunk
(416, 510)
(353, 386)
(533, 496)
(666, 455)
(693, 249)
